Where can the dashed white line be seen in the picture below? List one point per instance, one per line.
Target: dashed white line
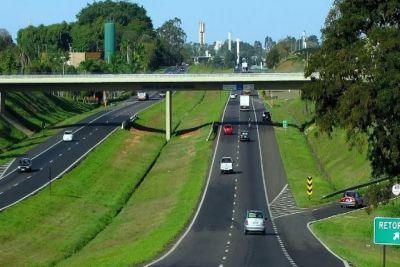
(1, 193)
(51, 161)
(60, 155)
(16, 184)
(29, 177)
(69, 149)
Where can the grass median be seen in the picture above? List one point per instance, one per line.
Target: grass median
(51, 227)
(164, 203)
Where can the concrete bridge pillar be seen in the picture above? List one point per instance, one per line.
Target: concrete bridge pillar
(2, 102)
(168, 114)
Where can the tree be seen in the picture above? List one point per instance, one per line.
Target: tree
(5, 39)
(359, 79)
(272, 57)
(172, 38)
(268, 43)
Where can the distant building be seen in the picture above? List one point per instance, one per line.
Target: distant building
(75, 58)
(218, 45)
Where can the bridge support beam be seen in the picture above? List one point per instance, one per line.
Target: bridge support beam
(2, 102)
(168, 115)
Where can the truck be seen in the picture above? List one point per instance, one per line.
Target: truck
(244, 102)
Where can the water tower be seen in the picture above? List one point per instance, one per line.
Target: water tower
(109, 41)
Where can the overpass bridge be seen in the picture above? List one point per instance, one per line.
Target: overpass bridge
(150, 82)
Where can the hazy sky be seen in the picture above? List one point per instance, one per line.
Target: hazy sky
(247, 20)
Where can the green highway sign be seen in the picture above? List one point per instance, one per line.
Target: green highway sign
(386, 231)
(285, 124)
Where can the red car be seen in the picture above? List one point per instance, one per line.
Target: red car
(228, 129)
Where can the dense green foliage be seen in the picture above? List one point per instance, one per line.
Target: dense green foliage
(358, 85)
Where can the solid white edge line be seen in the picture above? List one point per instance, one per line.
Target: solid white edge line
(345, 263)
(58, 176)
(9, 165)
(69, 167)
(201, 202)
(280, 193)
(284, 251)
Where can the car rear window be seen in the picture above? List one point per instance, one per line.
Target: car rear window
(226, 160)
(228, 126)
(350, 194)
(255, 215)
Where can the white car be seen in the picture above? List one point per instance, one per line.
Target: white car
(233, 95)
(68, 136)
(254, 221)
(226, 165)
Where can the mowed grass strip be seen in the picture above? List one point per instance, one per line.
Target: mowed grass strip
(297, 156)
(165, 202)
(45, 229)
(351, 236)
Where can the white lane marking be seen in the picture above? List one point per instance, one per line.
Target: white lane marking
(280, 193)
(60, 155)
(84, 138)
(51, 161)
(50, 147)
(69, 149)
(29, 177)
(201, 201)
(228, 242)
(1, 193)
(226, 250)
(5, 171)
(15, 184)
(223, 258)
(288, 257)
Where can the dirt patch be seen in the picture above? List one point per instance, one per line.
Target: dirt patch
(189, 134)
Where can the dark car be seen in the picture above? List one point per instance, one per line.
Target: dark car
(266, 117)
(244, 136)
(351, 198)
(25, 164)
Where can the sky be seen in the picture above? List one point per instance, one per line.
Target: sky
(247, 20)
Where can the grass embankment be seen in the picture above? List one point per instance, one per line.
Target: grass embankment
(304, 153)
(164, 203)
(351, 236)
(51, 228)
(31, 110)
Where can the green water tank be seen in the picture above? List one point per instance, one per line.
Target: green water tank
(109, 41)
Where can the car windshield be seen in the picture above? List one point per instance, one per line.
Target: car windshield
(226, 160)
(228, 126)
(255, 214)
(24, 162)
(67, 132)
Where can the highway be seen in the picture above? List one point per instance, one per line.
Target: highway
(215, 236)
(51, 159)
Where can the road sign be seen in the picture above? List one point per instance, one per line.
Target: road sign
(309, 186)
(396, 189)
(386, 231)
(229, 87)
(239, 86)
(248, 86)
(284, 124)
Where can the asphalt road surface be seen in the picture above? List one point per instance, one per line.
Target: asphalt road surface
(216, 238)
(54, 157)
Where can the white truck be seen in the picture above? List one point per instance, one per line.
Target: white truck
(244, 102)
(226, 165)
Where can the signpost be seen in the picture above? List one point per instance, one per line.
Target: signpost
(285, 124)
(396, 189)
(386, 232)
(309, 187)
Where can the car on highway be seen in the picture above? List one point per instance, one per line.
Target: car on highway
(351, 198)
(233, 95)
(228, 129)
(24, 164)
(142, 96)
(244, 135)
(266, 117)
(68, 136)
(226, 165)
(254, 222)
(162, 94)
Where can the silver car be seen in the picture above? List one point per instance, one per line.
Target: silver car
(254, 222)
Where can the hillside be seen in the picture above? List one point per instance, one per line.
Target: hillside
(33, 109)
